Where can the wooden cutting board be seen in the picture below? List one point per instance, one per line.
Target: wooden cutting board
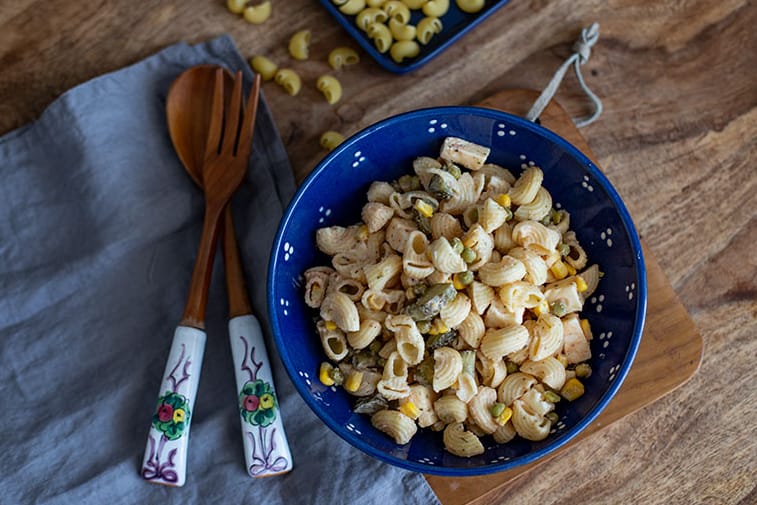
(670, 351)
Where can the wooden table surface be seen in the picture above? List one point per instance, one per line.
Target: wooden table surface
(678, 139)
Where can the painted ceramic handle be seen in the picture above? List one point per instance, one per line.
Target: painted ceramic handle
(165, 459)
(266, 450)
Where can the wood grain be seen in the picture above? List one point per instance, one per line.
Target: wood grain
(677, 140)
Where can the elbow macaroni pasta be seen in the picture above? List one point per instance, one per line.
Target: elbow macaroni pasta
(330, 139)
(343, 56)
(264, 66)
(403, 49)
(330, 87)
(299, 45)
(470, 6)
(448, 303)
(289, 80)
(257, 14)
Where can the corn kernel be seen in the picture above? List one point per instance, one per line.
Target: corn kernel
(572, 390)
(324, 374)
(410, 409)
(571, 269)
(504, 416)
(504, 200)
(581, 284)
(331, 325)
(424, 208)
(559, 270)
(438, 327)
(542, 308)
(586, 327)
(456, 283)
(362, 233)
(354, 380)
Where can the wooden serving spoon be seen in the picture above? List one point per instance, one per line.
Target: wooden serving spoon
(188, 113)
(227, 151)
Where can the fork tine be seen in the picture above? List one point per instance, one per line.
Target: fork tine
(232, 115)
(216, 116)
(248, 122)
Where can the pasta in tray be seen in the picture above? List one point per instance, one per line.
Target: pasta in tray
(455, 303)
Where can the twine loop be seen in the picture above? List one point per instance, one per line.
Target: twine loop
(581, 54)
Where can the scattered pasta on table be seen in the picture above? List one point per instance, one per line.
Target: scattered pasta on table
(454, 304)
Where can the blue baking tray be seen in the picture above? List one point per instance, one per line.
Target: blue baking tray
(456, 23)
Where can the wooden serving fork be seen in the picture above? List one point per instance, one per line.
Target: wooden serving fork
(225, 164)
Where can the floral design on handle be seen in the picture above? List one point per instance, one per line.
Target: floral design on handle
(257, 406)
(257, 403)
(171, 419)
(264, 461)
(172, 415)
(157, 469)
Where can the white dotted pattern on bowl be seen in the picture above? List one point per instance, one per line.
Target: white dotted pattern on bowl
(629, 290)
(526, 162)
(432, 125)
(351, 427)
(285, 304)
(359, 158)
(613, 371)
(426, 461)
(324, 211)
(585, 184)
(597, 302)
(288, 251)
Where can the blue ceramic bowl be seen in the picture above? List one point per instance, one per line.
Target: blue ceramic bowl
(334, 194)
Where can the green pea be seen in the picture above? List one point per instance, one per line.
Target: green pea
(552, 416)
(583, 370)
(558, 308)
(497, 409)
(375, 346)
(551, 396)
(337, 376)
(564, 249)
(423, 326)
(465, 278)
(511, 367)
(457, 245)
(468, 255)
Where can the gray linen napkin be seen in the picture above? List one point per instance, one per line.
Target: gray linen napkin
(98, 230)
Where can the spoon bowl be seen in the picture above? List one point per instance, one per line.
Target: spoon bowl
(188, 109)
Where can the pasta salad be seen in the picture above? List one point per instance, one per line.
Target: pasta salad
(455, 303)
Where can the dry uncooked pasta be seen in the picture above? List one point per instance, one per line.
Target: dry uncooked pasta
(450, 307)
